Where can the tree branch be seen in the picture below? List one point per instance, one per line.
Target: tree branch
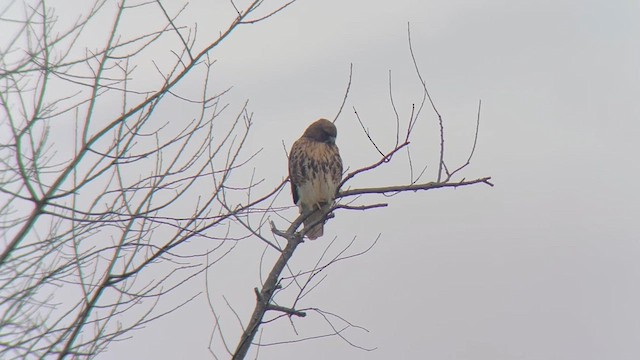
(266, 293)
(286, 310)
(415, 187)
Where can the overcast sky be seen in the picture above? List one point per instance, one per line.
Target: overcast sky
(545, 265)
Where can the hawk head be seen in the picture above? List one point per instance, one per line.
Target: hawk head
(322, 130)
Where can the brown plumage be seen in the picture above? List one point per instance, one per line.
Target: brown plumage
(315, 171)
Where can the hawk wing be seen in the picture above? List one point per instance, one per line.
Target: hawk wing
(296, 168)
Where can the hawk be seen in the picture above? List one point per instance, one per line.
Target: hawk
(315, 171)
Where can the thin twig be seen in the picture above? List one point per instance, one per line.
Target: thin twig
(473, 148)
(433, 106)
(346, 94)
(366, 132)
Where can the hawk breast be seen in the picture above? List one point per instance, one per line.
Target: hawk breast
(315, 169)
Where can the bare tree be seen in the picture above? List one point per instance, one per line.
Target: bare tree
(100, 195)
(303, 281)
(92, 177)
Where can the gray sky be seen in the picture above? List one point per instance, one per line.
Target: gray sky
(542, 266)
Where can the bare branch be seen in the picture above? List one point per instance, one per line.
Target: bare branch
(286, 310)
(433, 106)
(346, 94)
(414, 187)
(366, 132)
(268, 15)
(473, 148)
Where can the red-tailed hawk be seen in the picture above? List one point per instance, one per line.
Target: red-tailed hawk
(315, 171)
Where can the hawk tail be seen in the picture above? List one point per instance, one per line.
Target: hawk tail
(316, 230)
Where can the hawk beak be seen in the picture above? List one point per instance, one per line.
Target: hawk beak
(331, 140)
